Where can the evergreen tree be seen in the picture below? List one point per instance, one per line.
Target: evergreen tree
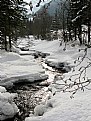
(12, 14)
(80, 14)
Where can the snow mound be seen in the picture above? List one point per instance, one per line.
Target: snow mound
(39, 110)
(7, 107)
(2, 89)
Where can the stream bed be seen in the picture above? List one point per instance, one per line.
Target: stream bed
(28, 96)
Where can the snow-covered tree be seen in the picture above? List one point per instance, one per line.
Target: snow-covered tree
(80, 14)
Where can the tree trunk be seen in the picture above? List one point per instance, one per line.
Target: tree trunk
(75, 33)
(80, 34)
(88, 32)
(9, 42)
(5, 42)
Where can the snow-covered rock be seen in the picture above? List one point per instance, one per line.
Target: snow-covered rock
(39, 110)
(2, 89)
(7, 107)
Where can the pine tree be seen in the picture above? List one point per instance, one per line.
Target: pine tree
(12, 14)
(80, 14)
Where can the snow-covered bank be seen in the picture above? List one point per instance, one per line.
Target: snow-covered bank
(15, 68)
(65, 108)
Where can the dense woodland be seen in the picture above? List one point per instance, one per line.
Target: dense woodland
(12, 20)
(69, 17)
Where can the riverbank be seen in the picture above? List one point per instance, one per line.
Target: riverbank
(17, 71)
(17, 68)
(72, 101)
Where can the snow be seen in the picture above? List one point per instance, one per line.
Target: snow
(2, 89)
(65, 108)
(39, 110)
(15, 67)
(7, 107)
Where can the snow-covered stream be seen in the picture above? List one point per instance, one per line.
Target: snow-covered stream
(16, 69)
(32, 94)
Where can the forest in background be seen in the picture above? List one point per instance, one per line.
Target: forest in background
(69, 17)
